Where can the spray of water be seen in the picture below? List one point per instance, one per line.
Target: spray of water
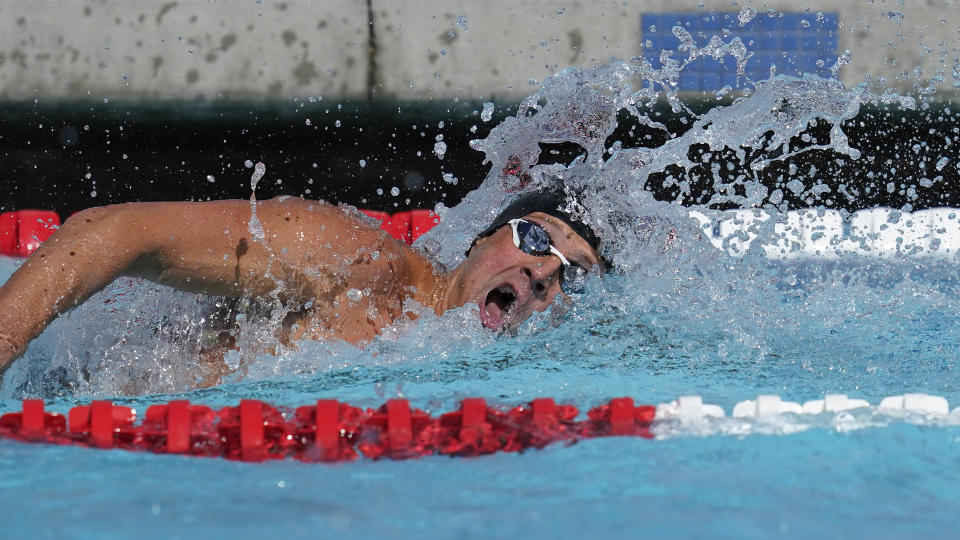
(254, 225)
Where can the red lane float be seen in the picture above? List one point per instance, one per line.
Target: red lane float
(22, 232)
(405, 226)
(422, 221)
(396, 225)
(328, 431)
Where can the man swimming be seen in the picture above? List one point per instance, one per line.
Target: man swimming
(342, 276)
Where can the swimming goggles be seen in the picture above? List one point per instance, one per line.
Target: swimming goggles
(532, 239)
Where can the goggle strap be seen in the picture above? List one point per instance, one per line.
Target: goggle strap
(556, 252)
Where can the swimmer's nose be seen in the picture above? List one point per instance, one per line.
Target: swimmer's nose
(542, 273)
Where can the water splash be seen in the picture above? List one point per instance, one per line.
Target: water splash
(254, 225)
(679, 301)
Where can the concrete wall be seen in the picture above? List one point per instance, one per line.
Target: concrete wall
(418, 49)
(143, 49)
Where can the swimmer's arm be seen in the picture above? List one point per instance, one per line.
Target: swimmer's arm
(197, 247)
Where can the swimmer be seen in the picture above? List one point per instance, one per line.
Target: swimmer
(339, 274)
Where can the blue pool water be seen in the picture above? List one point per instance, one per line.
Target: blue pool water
(875, 476)
(894, 482)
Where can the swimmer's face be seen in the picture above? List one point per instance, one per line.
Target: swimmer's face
(509, 285)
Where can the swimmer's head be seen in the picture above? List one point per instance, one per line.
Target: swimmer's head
(548, 201)
(532, 252)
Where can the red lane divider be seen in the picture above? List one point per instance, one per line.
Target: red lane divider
(104, 423)
(405, 226)
(22, 232)
(328, 431)
(33, 423)
(422, 221)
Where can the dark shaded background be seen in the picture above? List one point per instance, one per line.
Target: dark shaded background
(57, 156)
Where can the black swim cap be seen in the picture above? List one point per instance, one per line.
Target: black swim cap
(548, 201)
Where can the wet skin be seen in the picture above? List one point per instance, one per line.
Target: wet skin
(340, 274)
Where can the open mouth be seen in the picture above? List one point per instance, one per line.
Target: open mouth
(496, 306)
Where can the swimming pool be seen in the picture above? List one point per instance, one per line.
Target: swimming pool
(837, 473)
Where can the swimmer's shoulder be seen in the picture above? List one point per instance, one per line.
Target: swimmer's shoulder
(318, 226)
(328, 222)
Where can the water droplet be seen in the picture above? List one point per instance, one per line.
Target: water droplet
(248, 164)
(440, 148)
(394, 191)
(722, 92)
(337, 123)
(487, 113)
(307, 121)
(462, 23)
(258, 171)
(354, 295)
(211, 178)
(363, 163)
